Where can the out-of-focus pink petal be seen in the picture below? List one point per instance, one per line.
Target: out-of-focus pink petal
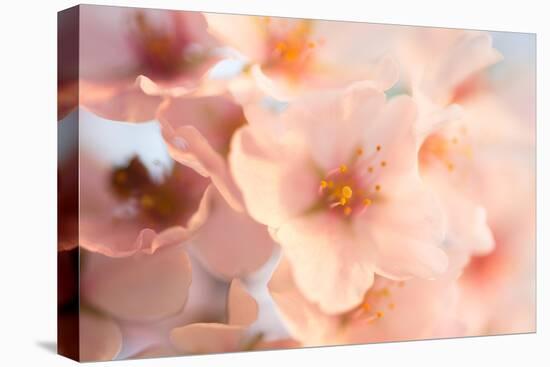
(207, 338)
(231, 244)
(171, 49)
(467, 221)
(470, 53)
(104, 231)
(100, 338)
(141, 287)
(390, 310)
(330, 267)
(305, 321)
(189, 147)
(243, 32)
(277, 344)
(242, 309)
(291, 56)
(216, 118)
(120, 101)
(156, 351)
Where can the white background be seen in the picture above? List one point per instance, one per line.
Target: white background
(28, 182)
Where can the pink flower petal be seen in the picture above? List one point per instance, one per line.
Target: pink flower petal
(330, 267)
(231, 244)
(140, 287)
(273, 190)
(102, 231)
(207, 338)
(100, 338)
(242, 307)
(189, 147)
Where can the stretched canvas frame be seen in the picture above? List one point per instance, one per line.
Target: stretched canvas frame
(231, 183)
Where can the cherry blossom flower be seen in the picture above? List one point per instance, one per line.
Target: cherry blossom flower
(335, 178)
(119, 45)
(498, 289)
(447, 151)
(389, 311)
(288, 56)
(123, 210)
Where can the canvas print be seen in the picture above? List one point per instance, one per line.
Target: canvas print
(232, 183)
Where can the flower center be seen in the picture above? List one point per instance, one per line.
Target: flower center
(290, 50)
(351, 189)
(161, 51)
(377, 301)
(156, 204)
(445, 149)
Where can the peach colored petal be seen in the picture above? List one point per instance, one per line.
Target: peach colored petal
(467, 221)
(330, 267)
(242, 308)
(215, 117)
(231, 244)
(272, 190)
(100, 338)
(412, 250)
(101, 230)
(207, 338)
(189, 147)
(121, 101)
(108, 85)
(141, 287)
(304, 320)
(244, 32)
(150, 88)
(470, 53)
(314, 117)
(391, 311)
(277, 344)
(156, 351)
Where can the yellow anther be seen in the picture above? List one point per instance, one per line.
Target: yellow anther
(121, 177)
(347, 210)
(281, 46)
(370, 169)
(379, 314)
(450, 166)
(367, 201)
(378, 147)
(366, 306)
(343, 201)
(359, 151)
(324, 184)
(391, 306)
(147, 201)
(343, 168)
(347, 192)
(377, 187)
(330, 184)
(383, 163)
(385, 292)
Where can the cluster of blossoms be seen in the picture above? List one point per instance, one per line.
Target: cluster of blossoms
(330, 183)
